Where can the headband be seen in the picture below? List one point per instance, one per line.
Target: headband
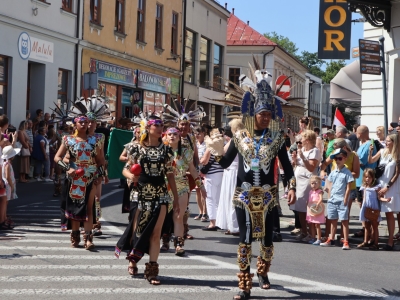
(80, 119)
(173, 130)
(155, 122)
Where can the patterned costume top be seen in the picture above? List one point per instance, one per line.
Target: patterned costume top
(98, 139)
(84, 153)
(182, 163)
(189, 142)
(156, 162)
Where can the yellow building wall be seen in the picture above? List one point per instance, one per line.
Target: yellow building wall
(107, 38)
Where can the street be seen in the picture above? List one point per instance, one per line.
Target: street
(38, 263)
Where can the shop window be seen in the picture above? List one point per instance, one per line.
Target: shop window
(62, 93)
(3, 84)
(153, 102)
(217, 66)
(120, 16)
(140, 20)
(159, 19)
(95, 11)
(204, 62)
(174, 34)
(234, 74)
(67, 5)
(109, 93)
(190, 54)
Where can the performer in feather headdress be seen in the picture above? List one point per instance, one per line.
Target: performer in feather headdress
(258, 141)
(83, 166)
(185, 118)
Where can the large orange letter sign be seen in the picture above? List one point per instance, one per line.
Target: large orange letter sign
(334, 30)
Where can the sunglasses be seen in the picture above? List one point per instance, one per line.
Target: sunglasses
(299, 143)
(264, 73)
(338, 158)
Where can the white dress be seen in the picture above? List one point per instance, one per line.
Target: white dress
(390, 169)
(226, 214)
(303, 186)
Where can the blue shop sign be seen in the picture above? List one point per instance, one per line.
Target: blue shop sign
(113, 73)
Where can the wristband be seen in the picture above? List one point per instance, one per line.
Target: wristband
(101, 171)
(63, 165)
(198, 182)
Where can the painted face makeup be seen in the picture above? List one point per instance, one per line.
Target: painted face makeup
(157, 123)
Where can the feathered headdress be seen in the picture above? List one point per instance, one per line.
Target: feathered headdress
(59, 115)
(181, 113)
(142, 119)
(94, 108)
(253, 95)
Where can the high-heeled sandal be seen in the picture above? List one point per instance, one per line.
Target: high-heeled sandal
(151, 273)
(132, 270)
(198, 217)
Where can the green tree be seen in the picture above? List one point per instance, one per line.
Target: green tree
(282, 41)
(313, 63)
(332, 68)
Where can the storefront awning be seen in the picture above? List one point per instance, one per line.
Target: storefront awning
(346, 86)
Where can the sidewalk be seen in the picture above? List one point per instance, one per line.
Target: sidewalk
(354, 223)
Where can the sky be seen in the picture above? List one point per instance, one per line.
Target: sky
(295, 19)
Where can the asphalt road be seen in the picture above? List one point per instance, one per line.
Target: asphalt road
(36, 261)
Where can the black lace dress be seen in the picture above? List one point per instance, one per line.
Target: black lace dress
(147, 197)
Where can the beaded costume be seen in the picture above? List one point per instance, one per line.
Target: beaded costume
(255, 195)
(150, 194)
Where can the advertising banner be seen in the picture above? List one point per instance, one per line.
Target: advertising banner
(155, 83)
(334, 30)
(113, 73)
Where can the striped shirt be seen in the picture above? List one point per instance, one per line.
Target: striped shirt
(215, 167)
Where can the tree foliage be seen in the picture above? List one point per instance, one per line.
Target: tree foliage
(332, 68)
(313, 63)
(282, 41)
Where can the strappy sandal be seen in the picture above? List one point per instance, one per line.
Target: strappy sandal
(165, 242)
(262, 273)
(4, 226)
(179, 242)
(151, 273)
(75, 238)
(198, 217)
(242, 295)
(88, 240)
(373, 247)
(186, 234)
(362, 245)
(132, 270)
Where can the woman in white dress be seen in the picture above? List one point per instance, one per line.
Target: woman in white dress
(308, 159)
(226, 214)
(389, 182)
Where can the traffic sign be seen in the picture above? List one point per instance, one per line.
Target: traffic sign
(284, 92)
(370, 57)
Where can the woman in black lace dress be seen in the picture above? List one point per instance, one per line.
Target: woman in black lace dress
(151, 197)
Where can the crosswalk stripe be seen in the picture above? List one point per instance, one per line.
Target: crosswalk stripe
(51, 228)
(38, 248)
(111, 278)
(49, 235)
(104, 267)
(90, 257)
(169, 290)
(97, 242)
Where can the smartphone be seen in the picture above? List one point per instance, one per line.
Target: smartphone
(11, 129)
(394, 124)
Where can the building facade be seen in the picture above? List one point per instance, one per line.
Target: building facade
(383, 17)
(243, 42)
(135, 49)
(37, 55)
(204, 57)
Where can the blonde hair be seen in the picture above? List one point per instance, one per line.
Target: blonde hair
(395, 149)
(317, 179)
(371, 174)
(310, 136)
(380, 128)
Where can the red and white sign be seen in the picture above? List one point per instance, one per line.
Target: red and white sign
(284, 92)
